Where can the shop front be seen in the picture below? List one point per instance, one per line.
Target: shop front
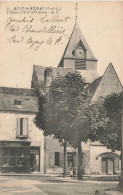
(14, 156)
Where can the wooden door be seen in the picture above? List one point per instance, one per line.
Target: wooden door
(110, 167)
(107, 166)
(35, 159)
(104, 166)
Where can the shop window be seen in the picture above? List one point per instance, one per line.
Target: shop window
(57, 159)
(5, 158)
(22, 127)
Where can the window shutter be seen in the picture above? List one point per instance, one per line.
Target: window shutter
(80, 64)
(25, 126)
(75, 159)
(18, 127)
(61, 159)
(52, 159)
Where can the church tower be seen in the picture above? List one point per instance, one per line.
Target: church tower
(78, 55)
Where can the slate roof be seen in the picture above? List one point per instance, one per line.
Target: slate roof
(18, 100)
(39, 70)
(94, 85)
(88, 75)
(38, 74)
(77, 36)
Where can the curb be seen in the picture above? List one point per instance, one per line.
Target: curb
(32, 175)
(69, 180)
(59, 178)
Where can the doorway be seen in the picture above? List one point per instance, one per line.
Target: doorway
(35, 159)
(107, 166)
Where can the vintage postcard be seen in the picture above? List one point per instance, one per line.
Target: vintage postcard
(45, 42)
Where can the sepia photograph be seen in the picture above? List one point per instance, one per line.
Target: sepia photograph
(61, 98)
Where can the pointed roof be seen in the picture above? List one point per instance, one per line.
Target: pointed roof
(107, 84)
(75, 38)
(93, 86)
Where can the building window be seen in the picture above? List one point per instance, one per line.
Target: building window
(22, 127)
(57, 159)
(70, 159)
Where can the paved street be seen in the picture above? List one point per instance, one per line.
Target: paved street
(24, 185)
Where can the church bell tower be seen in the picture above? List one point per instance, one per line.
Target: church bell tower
(78, 55)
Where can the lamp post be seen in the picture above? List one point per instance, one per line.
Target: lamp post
(121, 176)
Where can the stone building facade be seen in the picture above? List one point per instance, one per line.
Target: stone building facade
(54, 156)
(21, 143)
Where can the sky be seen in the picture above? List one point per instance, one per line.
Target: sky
(100, 22)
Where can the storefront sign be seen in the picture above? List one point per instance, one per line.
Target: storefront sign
(14, 144)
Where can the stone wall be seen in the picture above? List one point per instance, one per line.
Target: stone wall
(96, 151)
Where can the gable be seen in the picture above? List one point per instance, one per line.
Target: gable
(109, 83)
(75, 38)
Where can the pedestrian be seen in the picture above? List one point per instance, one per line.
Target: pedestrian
(71, 173)
(74, 172)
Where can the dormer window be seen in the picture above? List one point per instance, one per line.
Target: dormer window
(27, 99)
(17, 103)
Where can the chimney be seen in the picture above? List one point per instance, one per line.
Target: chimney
(47, 77)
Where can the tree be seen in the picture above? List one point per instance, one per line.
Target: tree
(80, 128)
(105, 117)
(63, 113)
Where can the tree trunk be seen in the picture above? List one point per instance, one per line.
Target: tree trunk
(65, 159)
(79, 161)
